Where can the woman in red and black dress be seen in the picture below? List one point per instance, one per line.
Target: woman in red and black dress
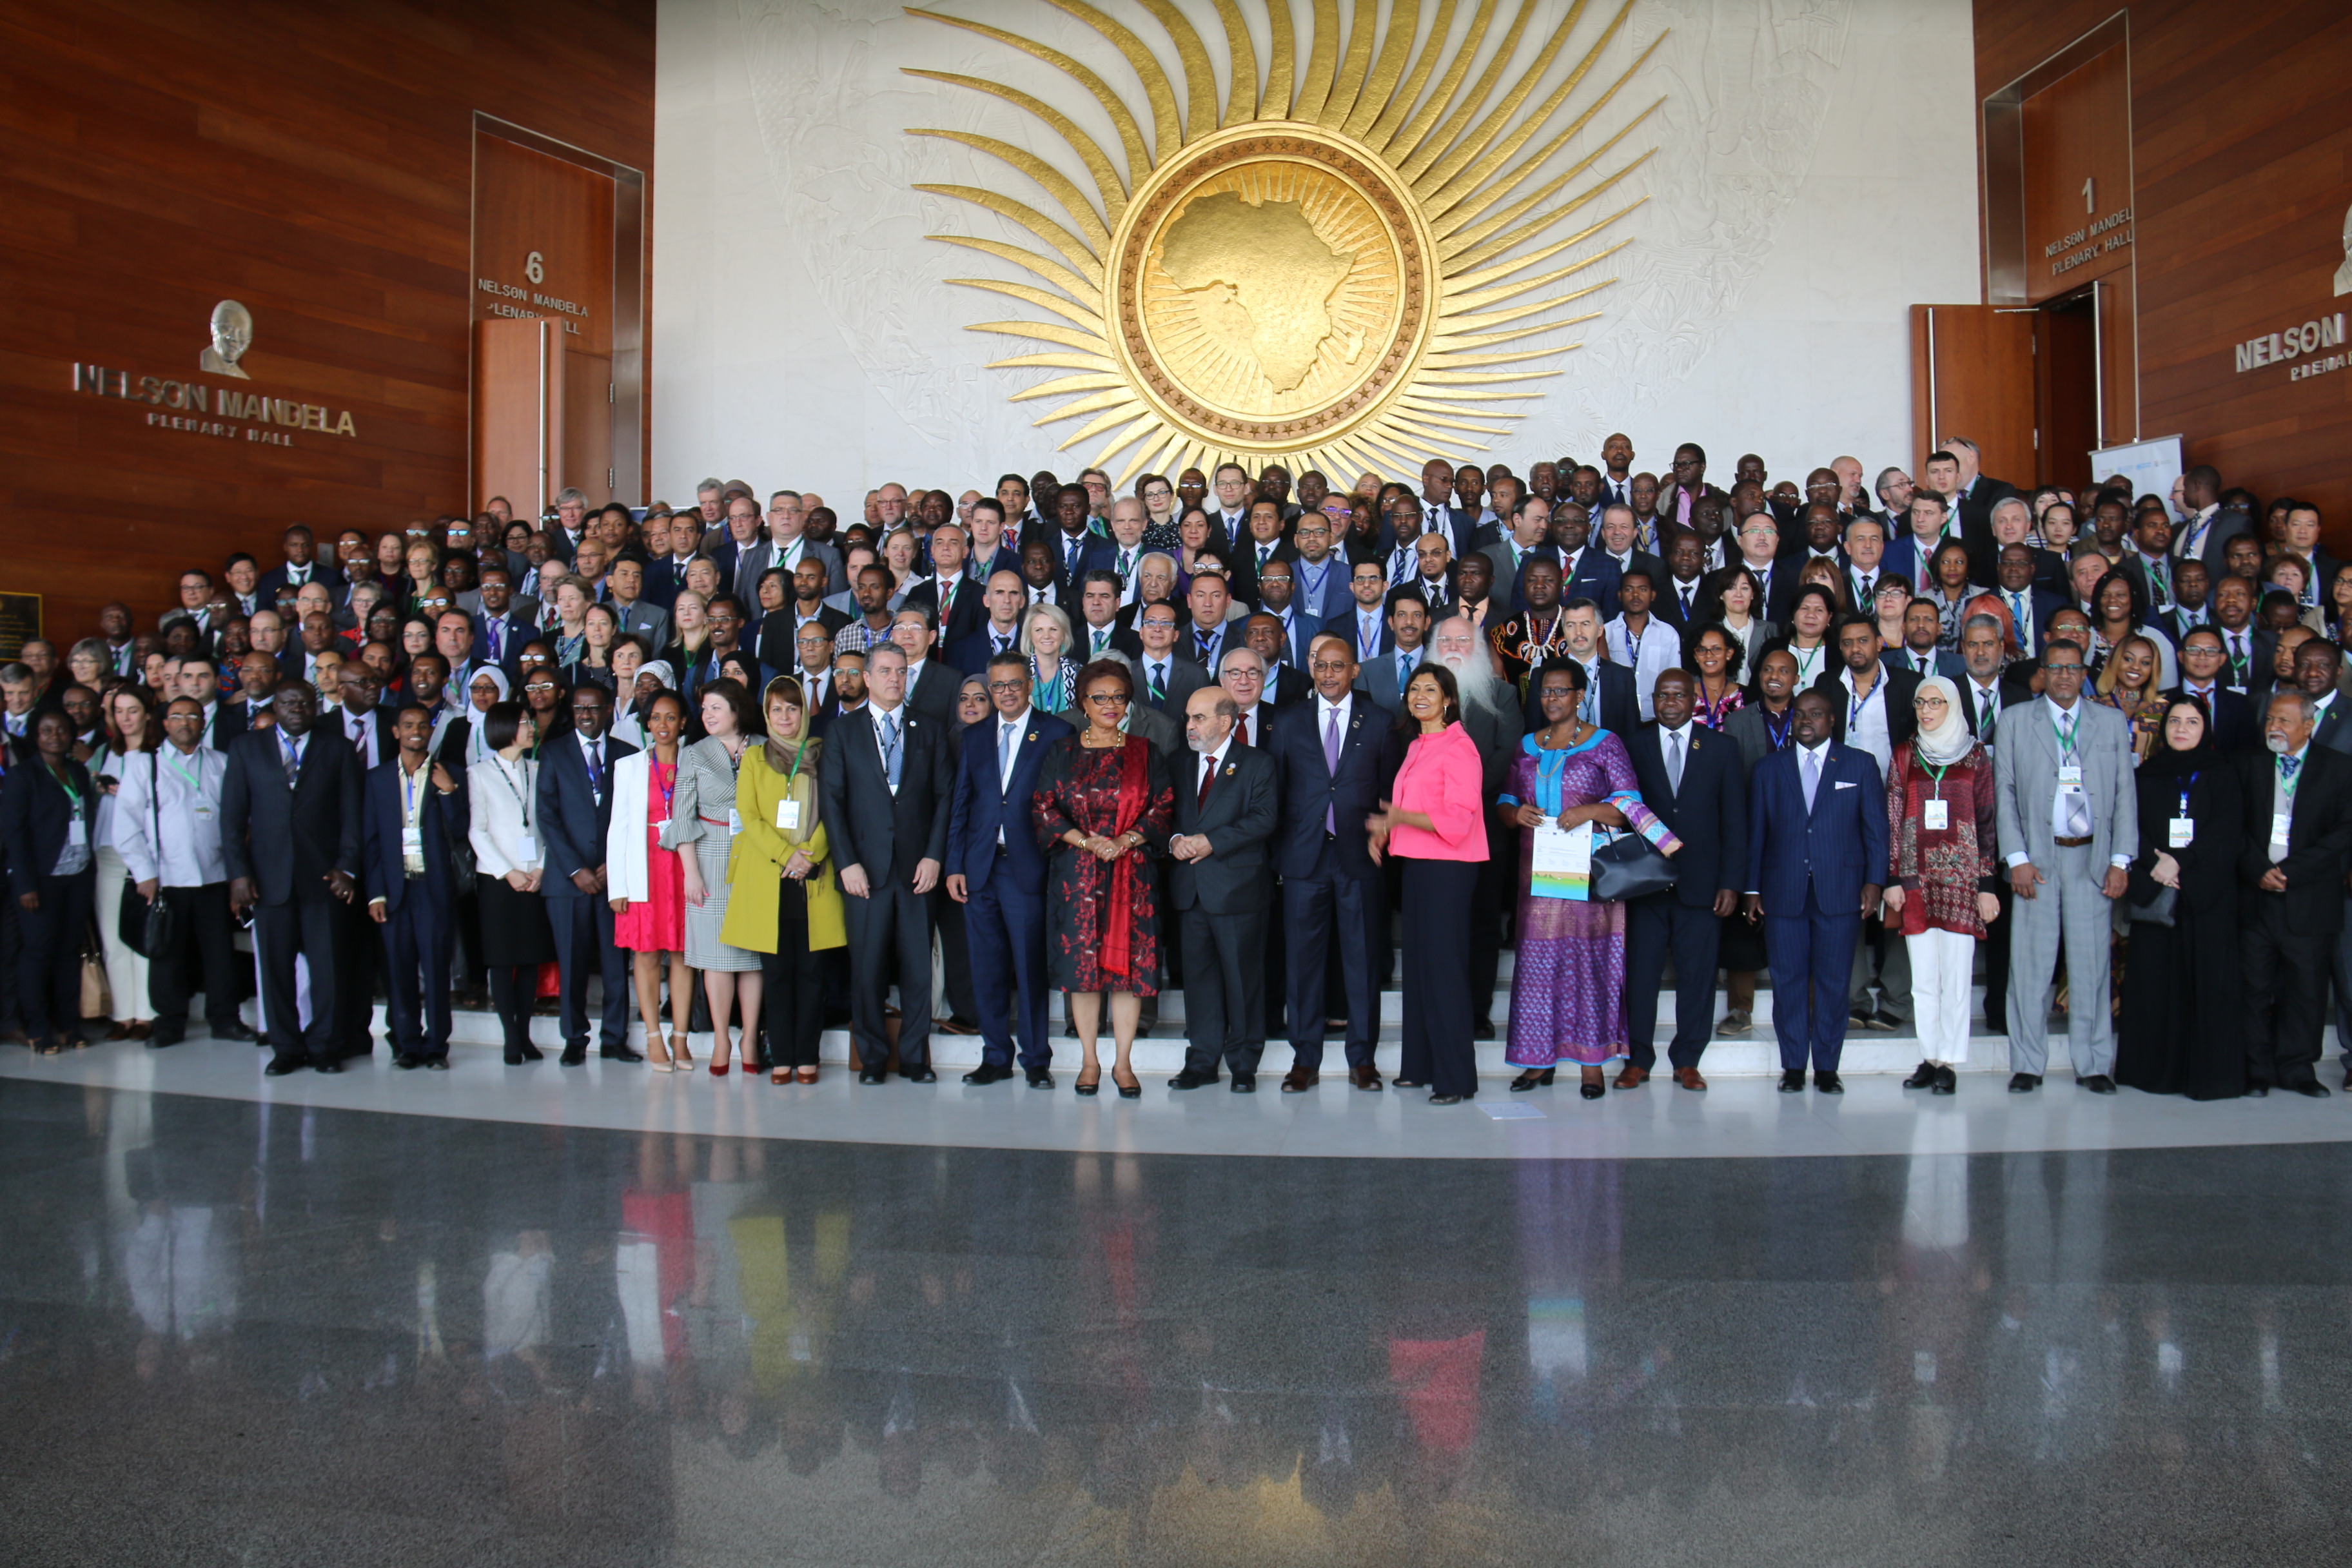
(1103, 806)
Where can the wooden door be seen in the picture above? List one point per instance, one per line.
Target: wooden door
(520, 378)
(1972, 376)
(588, 426)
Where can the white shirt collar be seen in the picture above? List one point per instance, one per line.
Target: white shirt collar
(1216, 759)
(1018, 721)
(1822, 751)
(1324, 708)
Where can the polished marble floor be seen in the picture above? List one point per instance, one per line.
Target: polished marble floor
(276, 1331)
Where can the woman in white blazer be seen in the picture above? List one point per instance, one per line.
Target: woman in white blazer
(508, 861)
(646, 883)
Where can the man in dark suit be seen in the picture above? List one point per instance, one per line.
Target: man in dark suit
(499, 633)
(1221, 882)
(1439, 514)
(1817, 843)
(411, 837)
(1261, 547)
(1973, 497)
(1336, 760)
(1384, 675)
(888, 778)
(2203, 668)
(1364, 624)
(301, 565)
(1585, 573)
(2030, 604)
(1286, 684)
(290, 833)
(1610, 697)
(1004, 601)
(958, 605)
(931, 681)
(1165, 674)
(997, 873)
(575, 811)
(1694, 780)
(2298, 834)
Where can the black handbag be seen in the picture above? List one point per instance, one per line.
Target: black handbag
(145, 925)
(1628, 866)
(2159, 910)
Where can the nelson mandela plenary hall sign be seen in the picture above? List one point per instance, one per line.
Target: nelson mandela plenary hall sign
(223, 413)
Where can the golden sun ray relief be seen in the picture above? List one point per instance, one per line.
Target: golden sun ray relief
(1337, 265)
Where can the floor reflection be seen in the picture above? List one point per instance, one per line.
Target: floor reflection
(416, 1340)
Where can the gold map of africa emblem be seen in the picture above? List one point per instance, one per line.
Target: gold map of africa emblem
(1339, 263)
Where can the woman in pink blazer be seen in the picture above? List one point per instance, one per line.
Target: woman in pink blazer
(1435, 823)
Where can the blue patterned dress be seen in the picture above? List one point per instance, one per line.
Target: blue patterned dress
(1568, 976)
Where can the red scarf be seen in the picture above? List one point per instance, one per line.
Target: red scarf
(1134, 798)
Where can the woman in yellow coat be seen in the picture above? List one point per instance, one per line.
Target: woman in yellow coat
(783, 904)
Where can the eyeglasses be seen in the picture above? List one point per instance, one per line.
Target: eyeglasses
(1114, 698)
(539, 686)
(1008, 686)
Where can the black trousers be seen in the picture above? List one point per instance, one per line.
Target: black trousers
(12, 953)
(1336, 925)
(1224, 990)
(1654, 927)
(1996, 962)
(305, 925)
(1438, 1049)
(199, 956)
(2284, 972)
(792, 1002)
(48, 964)
(890, 938)
(1496, 892)
(358, 956)
(418, 939)
(584, 946)
(955, 956)
(514, 992)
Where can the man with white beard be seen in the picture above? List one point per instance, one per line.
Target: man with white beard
(1492, 721)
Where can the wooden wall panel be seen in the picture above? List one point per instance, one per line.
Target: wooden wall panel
(2241, 153)
(2077, 129)
(528, 205)
(1972, 376)
(314, 163)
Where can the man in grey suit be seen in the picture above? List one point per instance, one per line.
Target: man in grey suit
(1384, 675)
(2206, 529)
(1164, 676)
(2069, 823)
(788, 545)
(626, 580)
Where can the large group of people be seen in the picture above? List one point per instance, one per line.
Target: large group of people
(739, 770)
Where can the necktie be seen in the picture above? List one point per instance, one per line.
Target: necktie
(1399, 566)
(890, 749)
(596, 769)
(1156, 679)
(1332, 764)
(2017, 609)
(1675, 761)
(2163, 583)
(2288, 767)
(1405, 671)
(359, 738)
(1685, 591)
(493, 627)
(293, 758)
(1126, 563)
(1263, 551)
(1101, 636)
(1206, 645)
(1208, 774)
(1003, 752)
(1241, 728)
(1002, 640)
(1812, 779)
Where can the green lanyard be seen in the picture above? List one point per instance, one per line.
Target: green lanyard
(1937, 773)
(801, 751)
(2066, 735)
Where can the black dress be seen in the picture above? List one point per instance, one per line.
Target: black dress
(1090, 901)
(2180, 1031)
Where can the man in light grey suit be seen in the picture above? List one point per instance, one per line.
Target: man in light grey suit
(2069, 823)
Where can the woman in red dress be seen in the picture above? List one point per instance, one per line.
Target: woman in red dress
(648, 883)
(1103, 806)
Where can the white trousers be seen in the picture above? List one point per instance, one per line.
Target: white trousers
(126, 970)
(1943, 964)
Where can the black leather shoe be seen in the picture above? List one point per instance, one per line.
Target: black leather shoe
(281, 1068)
(1793, 1080)
(235, 1032)
(1483, 1029)
(622, 1053)
(2100, 1083)
(2258, 1091)
(920, 1075)
(326, 1064)
(987, 1073)
(1592, 1090)
(1923, 1077)
(1533, 1079)
(872, 1074)
(408, 1062)
(1040, 1077)
(436, 1064)
(163, 1040)
(1445, 1099)
(573, 1056)
(2024, 1082)
(1947, 1082)
(1244, 1083)
(2310, 1089)
(1828, 1083)
(1188, 1078)
(1410, 1082)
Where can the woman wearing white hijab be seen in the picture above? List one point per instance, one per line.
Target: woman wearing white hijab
(1940, 886)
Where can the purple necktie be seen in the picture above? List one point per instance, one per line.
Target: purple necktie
(1331, 762)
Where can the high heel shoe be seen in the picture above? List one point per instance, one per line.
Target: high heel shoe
(1133, 1090)
(1592, 1090)
(668, 1062)
(807, 1075)
(1090, 1087)
(1531, 1079)
(718, 1070)
(532, 1053)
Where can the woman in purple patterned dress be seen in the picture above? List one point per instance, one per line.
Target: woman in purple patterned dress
(1568, 977)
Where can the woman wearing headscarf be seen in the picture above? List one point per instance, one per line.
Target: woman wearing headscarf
(465, 742)
(653, 677)
(782, 903)
(1940, 888)
(2180, 1030)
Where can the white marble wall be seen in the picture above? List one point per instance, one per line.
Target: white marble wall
(1814, 177)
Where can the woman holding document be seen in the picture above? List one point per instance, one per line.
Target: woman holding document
(1568, 983)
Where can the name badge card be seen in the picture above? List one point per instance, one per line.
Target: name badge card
(412, 840)
(76, 831)
(2279, 821)
(734, 820)
(2070, 774)
(529, 848)
(1938, 815)
(2183, 833)
(788, 816)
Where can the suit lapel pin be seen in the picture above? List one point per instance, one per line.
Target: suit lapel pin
(1032, 734)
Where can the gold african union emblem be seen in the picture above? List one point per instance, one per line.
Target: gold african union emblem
(1331, 265)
